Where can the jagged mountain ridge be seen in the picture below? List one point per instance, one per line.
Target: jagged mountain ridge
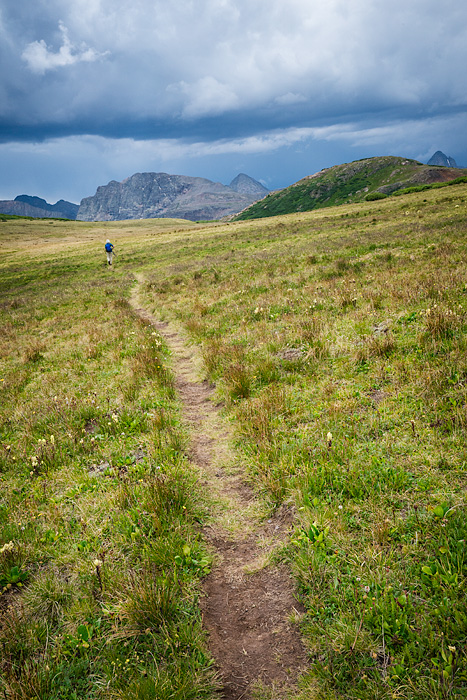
(38, 208)
(160, 195)
(439, 158)
(348, 183)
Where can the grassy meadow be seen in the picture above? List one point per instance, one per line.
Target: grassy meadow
(100, 553)
(337, 343)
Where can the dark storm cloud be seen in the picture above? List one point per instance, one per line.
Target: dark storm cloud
(219, 71)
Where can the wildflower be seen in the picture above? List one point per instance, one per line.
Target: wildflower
(8, 547)
(340, 507)
(329, 439)
(366, 589)
(34, 461)
(115, 417)
(52, 440)
(97, 563)
(452, 649)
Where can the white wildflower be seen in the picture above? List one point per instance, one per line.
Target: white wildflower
(8, 547)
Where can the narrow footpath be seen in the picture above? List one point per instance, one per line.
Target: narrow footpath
(249, 607)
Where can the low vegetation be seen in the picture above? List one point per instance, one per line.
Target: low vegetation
(363, 180)
(337, 341)
(100, 552)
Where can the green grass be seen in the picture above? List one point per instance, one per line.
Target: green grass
(98, 501)
(351, 322)
(337, 341)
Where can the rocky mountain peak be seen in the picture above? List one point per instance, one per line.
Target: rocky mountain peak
(439, 158)
(159, 195)
(248, 185)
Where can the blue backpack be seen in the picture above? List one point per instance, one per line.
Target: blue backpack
(108, 247)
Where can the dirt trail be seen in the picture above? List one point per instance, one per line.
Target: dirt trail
(247, 605)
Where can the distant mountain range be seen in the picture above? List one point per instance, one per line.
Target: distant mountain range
(159, 195)
(148, 195)
(38, 208)
(370, 178)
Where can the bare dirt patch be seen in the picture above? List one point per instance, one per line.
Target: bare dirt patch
(249, 604)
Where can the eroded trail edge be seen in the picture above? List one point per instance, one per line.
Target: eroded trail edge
(248, 605)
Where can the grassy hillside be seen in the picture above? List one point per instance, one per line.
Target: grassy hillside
(337, 342)
(350, 182)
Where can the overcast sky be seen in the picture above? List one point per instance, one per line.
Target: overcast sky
(96, 90)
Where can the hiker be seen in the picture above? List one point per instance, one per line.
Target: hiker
(109, 251)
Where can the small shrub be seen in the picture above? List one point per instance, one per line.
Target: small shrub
(373, 196)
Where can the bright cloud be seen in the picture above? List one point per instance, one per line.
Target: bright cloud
(206, 96)
(41, 59)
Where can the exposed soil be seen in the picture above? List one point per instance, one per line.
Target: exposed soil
(248, 603)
